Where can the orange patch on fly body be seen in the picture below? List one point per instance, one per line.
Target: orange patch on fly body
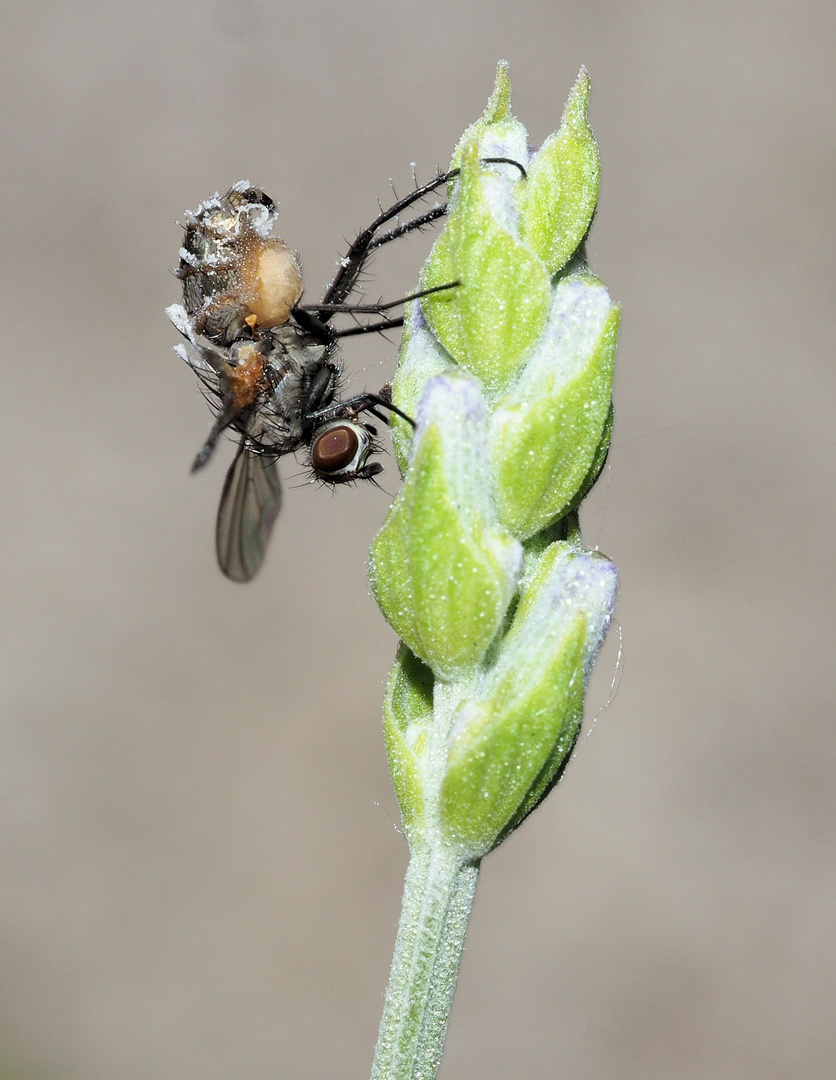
(245, 378)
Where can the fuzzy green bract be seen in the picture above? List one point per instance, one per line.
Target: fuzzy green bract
(480, 566)
(558, 200)
(498, 312)
(547, 431)
(442, 570)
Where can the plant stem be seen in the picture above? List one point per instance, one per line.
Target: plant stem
(438, 896)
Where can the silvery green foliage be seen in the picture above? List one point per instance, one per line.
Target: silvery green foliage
(480, 567)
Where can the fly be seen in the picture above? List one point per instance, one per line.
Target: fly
(269, 364)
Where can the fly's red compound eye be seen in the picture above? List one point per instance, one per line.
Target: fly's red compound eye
(335, 449)
(339, 451)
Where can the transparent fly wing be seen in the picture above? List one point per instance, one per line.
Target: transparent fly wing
(250, 503)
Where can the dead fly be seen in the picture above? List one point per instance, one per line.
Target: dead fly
(269, 364)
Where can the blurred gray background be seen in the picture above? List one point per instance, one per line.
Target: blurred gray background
(200, 868)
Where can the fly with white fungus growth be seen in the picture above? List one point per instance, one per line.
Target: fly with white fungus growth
(269, 364)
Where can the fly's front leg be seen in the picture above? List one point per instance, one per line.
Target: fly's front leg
(371, 309)
(358, 253)
(351, 408)
(368, 241)
(409, 226)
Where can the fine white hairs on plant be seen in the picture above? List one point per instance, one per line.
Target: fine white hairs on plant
(480, 567)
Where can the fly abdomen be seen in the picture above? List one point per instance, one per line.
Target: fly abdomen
(237, 278)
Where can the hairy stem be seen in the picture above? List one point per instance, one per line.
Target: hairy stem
(438, 896)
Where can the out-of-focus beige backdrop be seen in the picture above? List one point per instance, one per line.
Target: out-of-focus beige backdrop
(201, 868)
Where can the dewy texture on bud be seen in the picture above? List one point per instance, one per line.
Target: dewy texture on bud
(480, 567)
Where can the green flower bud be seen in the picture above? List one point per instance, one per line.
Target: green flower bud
(489, 322)
(509, 744)
(548, 434)
(557, 202)
(486, 698)
(442, 571)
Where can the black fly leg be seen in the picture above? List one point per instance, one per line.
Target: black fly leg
(371, 328)
(368, 241)
(351, 408)
(222, 422)
(409, 226)
(358, 253)
(328, 310)
(437, 211)
(307, 319)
